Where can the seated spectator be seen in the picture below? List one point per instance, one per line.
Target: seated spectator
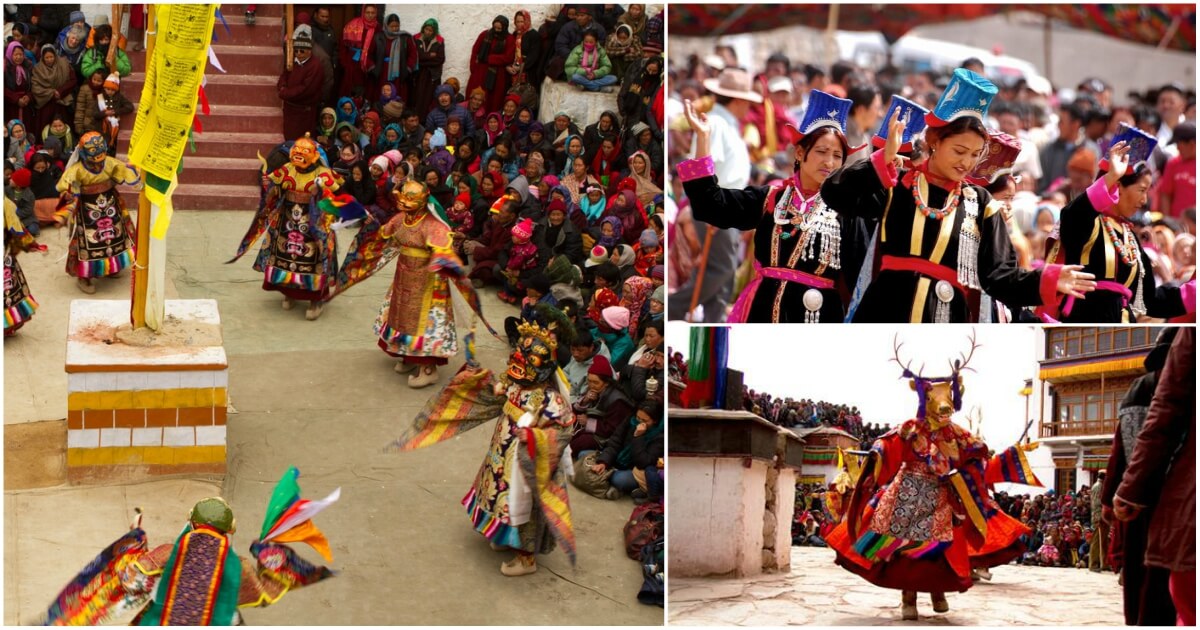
(561, 237)
(95, 58)
(490, 251)
(634, 451)
(589, 67)
(584, 349)
(646, 361)
(602, 409)
(623, 49)
(445, 107)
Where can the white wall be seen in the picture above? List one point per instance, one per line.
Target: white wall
(460, 24)
(716, 517)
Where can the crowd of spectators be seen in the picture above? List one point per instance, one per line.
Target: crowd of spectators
(564, 213)
(1064, 136)
(1062, 525)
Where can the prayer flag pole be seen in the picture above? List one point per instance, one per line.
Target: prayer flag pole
(141, 267)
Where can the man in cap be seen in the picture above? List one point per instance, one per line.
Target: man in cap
(731, 161)
(300, 88)
(1177, 189)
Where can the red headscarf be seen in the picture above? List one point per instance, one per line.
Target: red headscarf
(362, 32)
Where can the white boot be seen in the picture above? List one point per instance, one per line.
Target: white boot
(427, 375)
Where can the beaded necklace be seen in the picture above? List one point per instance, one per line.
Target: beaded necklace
(1123, 239)
(797, 207)
(922, 207)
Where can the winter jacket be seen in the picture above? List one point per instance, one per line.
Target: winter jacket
(575, 61)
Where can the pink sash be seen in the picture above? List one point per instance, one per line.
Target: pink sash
(741, 308)
(1102, 285)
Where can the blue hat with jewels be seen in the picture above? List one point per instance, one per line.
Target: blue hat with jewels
(967, 95)
(825, 110)
(1141, 145)
(911, 113)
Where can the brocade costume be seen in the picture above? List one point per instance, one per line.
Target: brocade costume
(101, 230)
(19, 304)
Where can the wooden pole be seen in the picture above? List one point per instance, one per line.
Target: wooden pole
(290, 21)
(111, 59)
(708, 238)
(141, 264)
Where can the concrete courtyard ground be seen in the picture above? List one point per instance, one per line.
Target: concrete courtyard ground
(819, 593)
(316, 395)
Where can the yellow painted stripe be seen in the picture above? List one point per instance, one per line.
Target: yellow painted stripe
(146, 455)
(148, 399)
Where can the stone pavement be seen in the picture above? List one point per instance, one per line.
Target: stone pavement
(819, 593)
(320, 396)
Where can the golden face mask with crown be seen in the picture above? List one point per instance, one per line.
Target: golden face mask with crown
(304, 153)
(412, 197)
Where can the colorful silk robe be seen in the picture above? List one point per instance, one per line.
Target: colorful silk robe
(19, 304)
(497, 510)
(101, 230)
(920, 498)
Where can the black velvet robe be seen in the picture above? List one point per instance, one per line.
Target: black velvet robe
(1080, 230)
(901, 296)
(745, 210)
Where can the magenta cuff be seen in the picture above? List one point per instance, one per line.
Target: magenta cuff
(697, 168)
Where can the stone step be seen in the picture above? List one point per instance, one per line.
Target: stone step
(226, 144)
(217, 170)
(267, 30)
(222, 89)
(235, 118)
(207, 197)
(234, 59)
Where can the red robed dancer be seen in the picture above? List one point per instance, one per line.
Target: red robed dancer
(920, 502)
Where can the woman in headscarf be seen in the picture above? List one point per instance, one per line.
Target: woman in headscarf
(18, 143)
(636, 292)
(639, 171)
(489, 134)
(466, 158)
(623, 206)
(325, 126)
(638, 90)
(58, 128)
(610, 232)
(18, 84)
(527, 60)
(493, 52)
(346, 133)
(608, 162)
(578, 179)
(635, 17)
(357, 62)
(347, 111)
(436, 184)
(372, 128)
(573, 148)
(475, 107)
(431, 56)
(395, 57)
(623, 50)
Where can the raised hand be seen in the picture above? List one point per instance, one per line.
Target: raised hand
(895, 137)
(1118, 163)
(698, 121)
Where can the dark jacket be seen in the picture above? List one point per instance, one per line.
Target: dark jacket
(571, 36)
(567, 241)
(325, 39)
(645, 450)
(611, 410)
(1162, 471)
(496, 239)
(439, 116)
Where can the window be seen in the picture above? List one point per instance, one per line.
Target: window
(1120, 338)
(1064, 480)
